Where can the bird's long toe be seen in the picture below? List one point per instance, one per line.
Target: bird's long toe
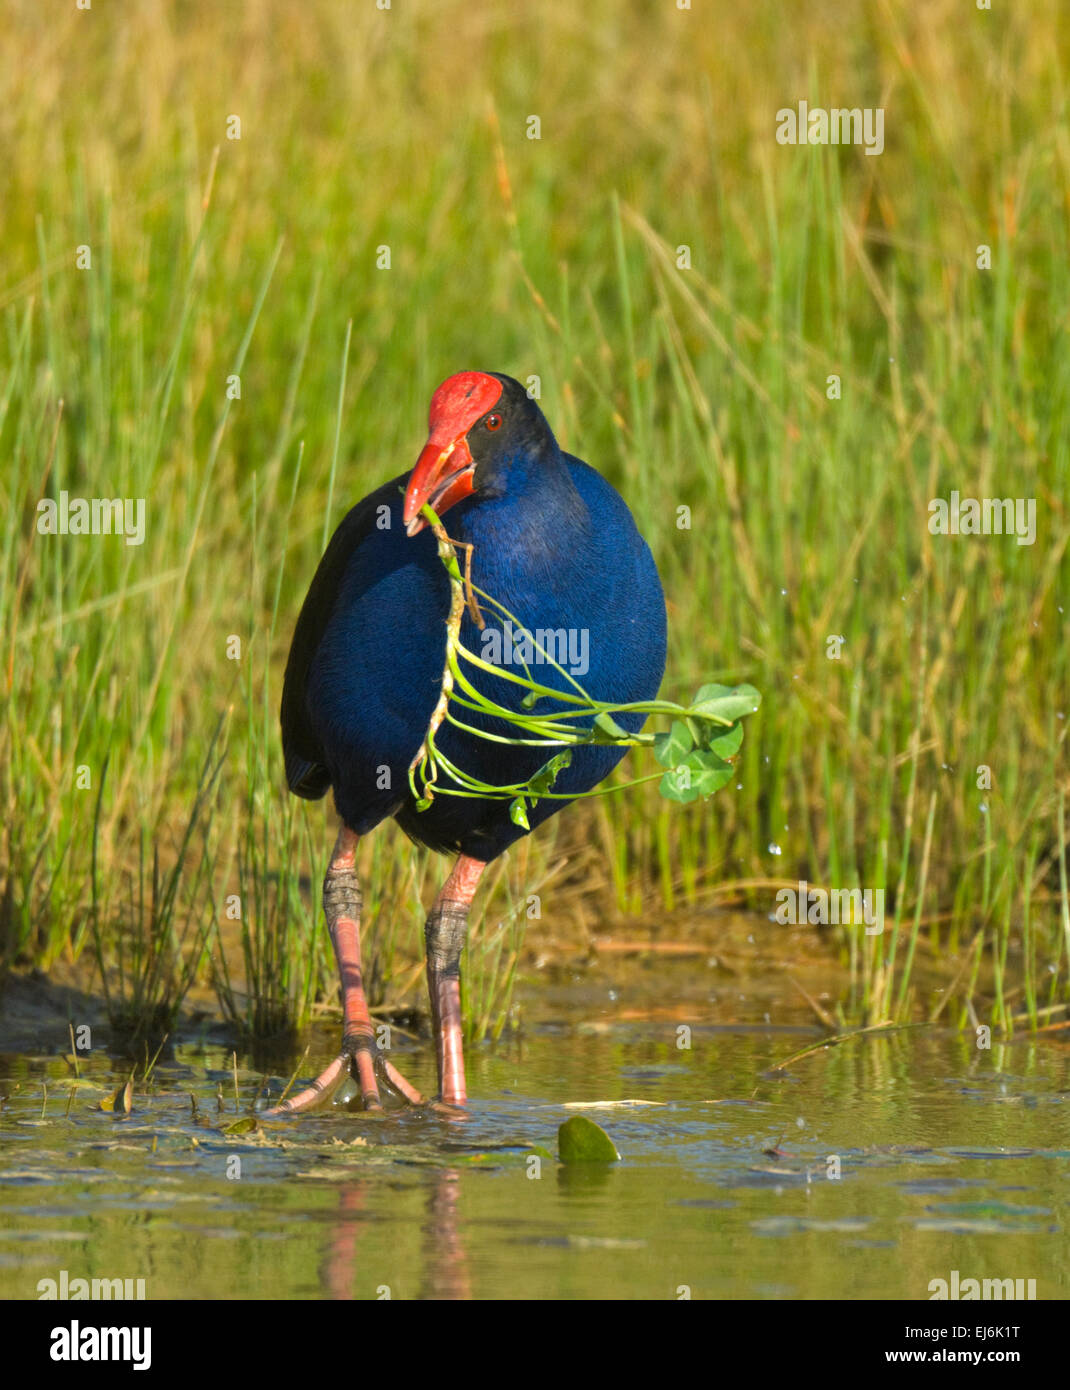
(318, 1093)
(356, 1071)
(398, 1082)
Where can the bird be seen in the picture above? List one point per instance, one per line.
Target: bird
(555, 544)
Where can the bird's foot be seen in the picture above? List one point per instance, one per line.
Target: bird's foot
(356, 1071)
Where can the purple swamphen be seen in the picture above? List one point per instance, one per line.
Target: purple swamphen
(555, 544)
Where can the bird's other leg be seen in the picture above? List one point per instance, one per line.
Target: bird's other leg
(342, 905)
(447, 926)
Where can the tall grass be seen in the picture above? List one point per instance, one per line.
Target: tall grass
(258, 259)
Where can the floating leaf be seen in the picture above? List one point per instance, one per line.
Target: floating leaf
(419, 1156)
(580, 1140)
(607, 1104)
(245, 1125)
(122, 1100)
(672, 748)
(500, 1154)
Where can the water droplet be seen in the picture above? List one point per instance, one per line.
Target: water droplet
(775, 849)
(801, 1122)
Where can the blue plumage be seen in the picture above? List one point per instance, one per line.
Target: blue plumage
(553, 542)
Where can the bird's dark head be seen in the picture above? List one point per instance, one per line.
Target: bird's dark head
(482, 426)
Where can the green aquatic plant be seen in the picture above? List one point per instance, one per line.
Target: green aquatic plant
(696, 751)
(580, 1140)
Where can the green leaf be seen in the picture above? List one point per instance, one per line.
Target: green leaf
(722, 702)
(245, 1125)
(700, 730)
(122, 1101)
(580, 1140)
(606, 725)
(724, 742)
(672, 748)
(676, 785)
(700, 774)
(518, 813)
(709, 773)
(497, 1155)
(547, 774)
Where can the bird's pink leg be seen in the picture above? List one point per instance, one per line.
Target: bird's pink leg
(342, 905)
(447, 925)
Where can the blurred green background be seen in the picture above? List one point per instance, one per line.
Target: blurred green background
(703, 387)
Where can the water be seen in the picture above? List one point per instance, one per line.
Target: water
(950, 1158)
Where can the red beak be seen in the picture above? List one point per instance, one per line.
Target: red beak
(442, 476)
(445, 470)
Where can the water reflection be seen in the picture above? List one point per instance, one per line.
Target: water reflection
(947, 1159)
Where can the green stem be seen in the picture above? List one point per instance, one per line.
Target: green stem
(549, 731)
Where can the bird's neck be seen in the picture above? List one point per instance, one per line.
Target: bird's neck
(533, 532)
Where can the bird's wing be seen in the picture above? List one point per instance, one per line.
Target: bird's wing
(306, 773)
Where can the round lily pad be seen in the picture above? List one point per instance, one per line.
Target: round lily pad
(580, 1140)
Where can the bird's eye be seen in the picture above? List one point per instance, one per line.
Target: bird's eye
(493, 422)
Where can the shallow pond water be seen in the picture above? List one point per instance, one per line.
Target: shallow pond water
(949, 1158)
